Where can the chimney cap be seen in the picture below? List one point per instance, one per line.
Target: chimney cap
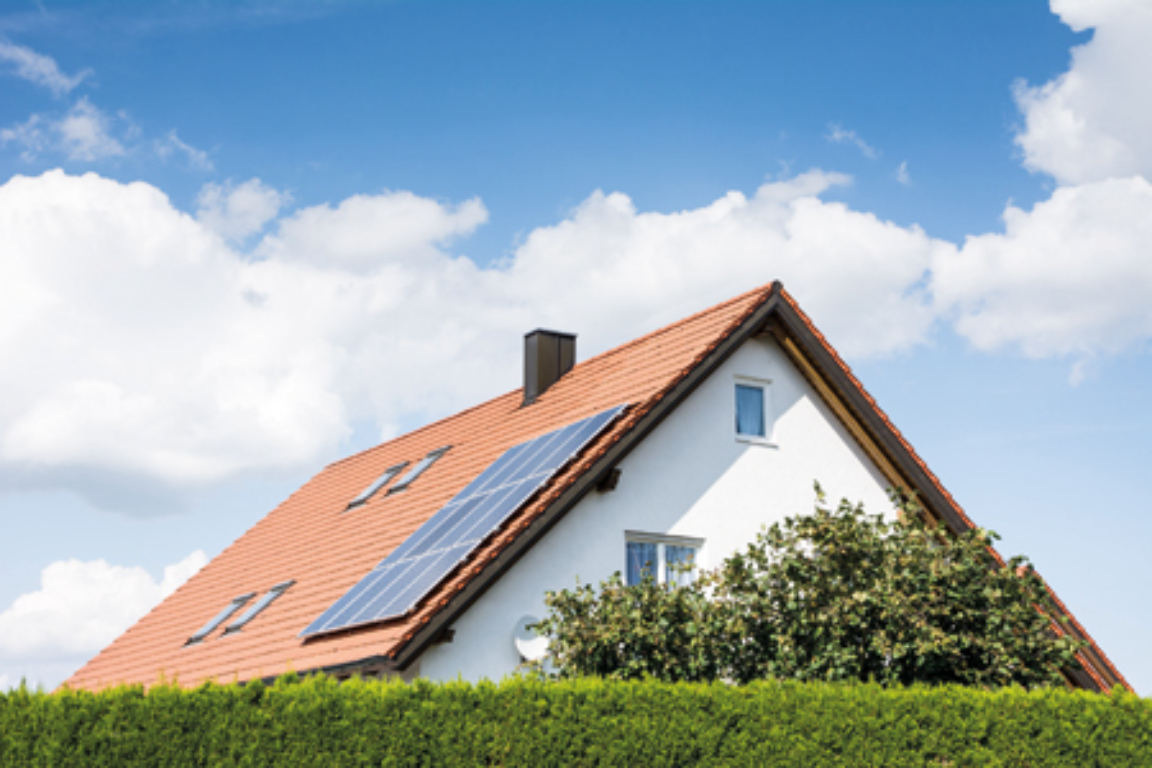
(550, 332)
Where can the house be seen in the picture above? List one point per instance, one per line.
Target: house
(424, 556)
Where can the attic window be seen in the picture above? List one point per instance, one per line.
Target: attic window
(260, 605)
(220, 618)
(752, 410)
(419, 469)
(380, 482)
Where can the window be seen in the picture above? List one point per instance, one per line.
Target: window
(260, 605)
(382, 481)
(670, 559)
(752, 410)
(220, 618)
(418, 470)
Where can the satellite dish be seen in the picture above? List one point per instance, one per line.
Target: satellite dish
(531, 646)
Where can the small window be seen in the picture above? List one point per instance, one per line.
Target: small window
(670, 559)
(751, 410)
(380, 482)
(259, 606)
(418, 470)
(220, 618)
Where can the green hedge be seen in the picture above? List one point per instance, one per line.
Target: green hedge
(581, 722)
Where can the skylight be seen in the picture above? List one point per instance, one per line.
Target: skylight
(418, 470)
(260, 605)
(220, 618)
(380, 482)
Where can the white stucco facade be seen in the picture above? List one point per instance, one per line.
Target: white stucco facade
(691, 477)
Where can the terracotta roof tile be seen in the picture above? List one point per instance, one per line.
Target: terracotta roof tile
(310, 537)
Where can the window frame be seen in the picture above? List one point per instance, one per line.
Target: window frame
(419, 469)
(765, 387)
(258, 607)
(214, 623)
(386, 477)
(662, 541)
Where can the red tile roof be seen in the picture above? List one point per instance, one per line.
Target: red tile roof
(310, 537)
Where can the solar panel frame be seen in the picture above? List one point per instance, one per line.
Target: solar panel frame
(397, 584)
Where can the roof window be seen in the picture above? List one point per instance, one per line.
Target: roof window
(259, 606)
(380, 482)
(220, 618)
(419, 469)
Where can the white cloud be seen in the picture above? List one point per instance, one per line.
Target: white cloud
(171, 144)
(364, 232)
(237, 212)
(1071, 277)
(79, 608)
(610, 271)
(84, 133)
(1095, 120)
(143, 351)
(40, 69)
(902, 174)
(839, 135)
(31, 134)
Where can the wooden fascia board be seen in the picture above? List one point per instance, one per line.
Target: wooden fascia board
(843, 397)
(587, 482)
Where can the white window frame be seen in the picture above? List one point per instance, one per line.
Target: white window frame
(661, 541)
(765, 387)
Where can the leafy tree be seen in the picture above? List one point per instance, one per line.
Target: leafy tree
(835, 595)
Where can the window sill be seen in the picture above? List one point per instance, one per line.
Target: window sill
(753, 440)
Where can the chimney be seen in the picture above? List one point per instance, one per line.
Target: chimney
(548, 355)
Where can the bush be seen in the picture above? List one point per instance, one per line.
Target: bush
(573, 722)
(835, 595)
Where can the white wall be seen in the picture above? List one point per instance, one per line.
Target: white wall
(691, 477)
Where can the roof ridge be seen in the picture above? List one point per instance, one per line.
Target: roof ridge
(765, 289)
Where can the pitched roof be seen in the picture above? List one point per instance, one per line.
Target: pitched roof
(310, 537)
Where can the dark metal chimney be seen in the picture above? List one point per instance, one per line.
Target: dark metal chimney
(548, 355)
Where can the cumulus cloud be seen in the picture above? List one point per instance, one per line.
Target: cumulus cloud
(1095, 120)
(79, 608)
(365, 232)
(40, 69)
(236, 212)
(1071, 277)
(142, 349)
(609, 267)
(840, 135)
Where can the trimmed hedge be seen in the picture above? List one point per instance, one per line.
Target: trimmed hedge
(316, 721)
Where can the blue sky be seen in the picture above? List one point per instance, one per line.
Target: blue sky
(306, 224)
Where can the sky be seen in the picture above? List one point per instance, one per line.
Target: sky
(241, 240)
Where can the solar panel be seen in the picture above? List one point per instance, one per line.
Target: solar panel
(401, 580)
